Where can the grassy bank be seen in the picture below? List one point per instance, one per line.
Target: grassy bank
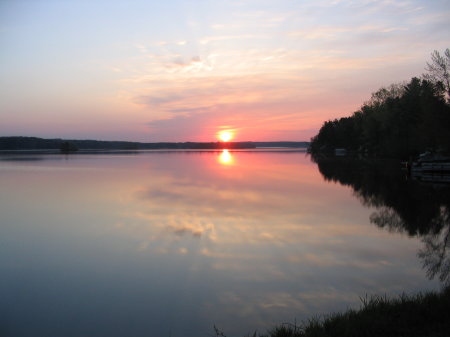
(415, 315)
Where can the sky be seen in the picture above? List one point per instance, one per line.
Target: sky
(184, 70)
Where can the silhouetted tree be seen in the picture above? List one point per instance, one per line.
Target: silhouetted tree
(435, 255)
(439, 69)
(67, 147)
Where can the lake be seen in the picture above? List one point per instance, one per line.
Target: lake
(171, 243)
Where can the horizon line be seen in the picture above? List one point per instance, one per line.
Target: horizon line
(188, 141)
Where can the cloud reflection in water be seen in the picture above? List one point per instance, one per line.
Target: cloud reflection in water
(271, 221)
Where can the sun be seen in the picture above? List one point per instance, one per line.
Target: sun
(225, 136)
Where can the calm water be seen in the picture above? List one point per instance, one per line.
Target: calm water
(171, 243)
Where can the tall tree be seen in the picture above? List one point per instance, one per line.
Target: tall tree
(439, 69)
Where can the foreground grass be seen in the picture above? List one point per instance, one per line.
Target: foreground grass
(418, 315)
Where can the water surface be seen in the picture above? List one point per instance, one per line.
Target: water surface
(169, 243)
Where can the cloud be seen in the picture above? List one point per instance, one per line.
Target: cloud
(179, 61)
(330, 33)
(213, 92)
(158, 99)
(189, 229)
(217, 38)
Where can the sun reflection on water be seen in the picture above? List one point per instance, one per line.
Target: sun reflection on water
(225, 158)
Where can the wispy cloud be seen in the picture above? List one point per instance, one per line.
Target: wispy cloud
(210, 39)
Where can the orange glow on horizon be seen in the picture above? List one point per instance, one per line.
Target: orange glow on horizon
(225, 135)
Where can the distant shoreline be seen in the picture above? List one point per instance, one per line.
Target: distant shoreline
(26, 153)
(41, 145)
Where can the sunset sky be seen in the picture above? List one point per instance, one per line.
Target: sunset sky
(183, 70)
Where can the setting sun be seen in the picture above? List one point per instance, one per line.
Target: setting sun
(225, 136)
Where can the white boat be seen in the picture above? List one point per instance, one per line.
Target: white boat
(431, 162)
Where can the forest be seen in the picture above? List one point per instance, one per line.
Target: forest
(399, 121)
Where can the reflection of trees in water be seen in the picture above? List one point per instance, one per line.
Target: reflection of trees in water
(435, 255)
(402, 205)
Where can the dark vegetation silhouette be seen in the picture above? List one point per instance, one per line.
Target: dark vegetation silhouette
(34, 143)
(420, 315)
(401, 120)
(424, 315)
(67, 147)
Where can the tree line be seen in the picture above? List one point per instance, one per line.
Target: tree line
(65, 145)
(400, 120)
(72, 145)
